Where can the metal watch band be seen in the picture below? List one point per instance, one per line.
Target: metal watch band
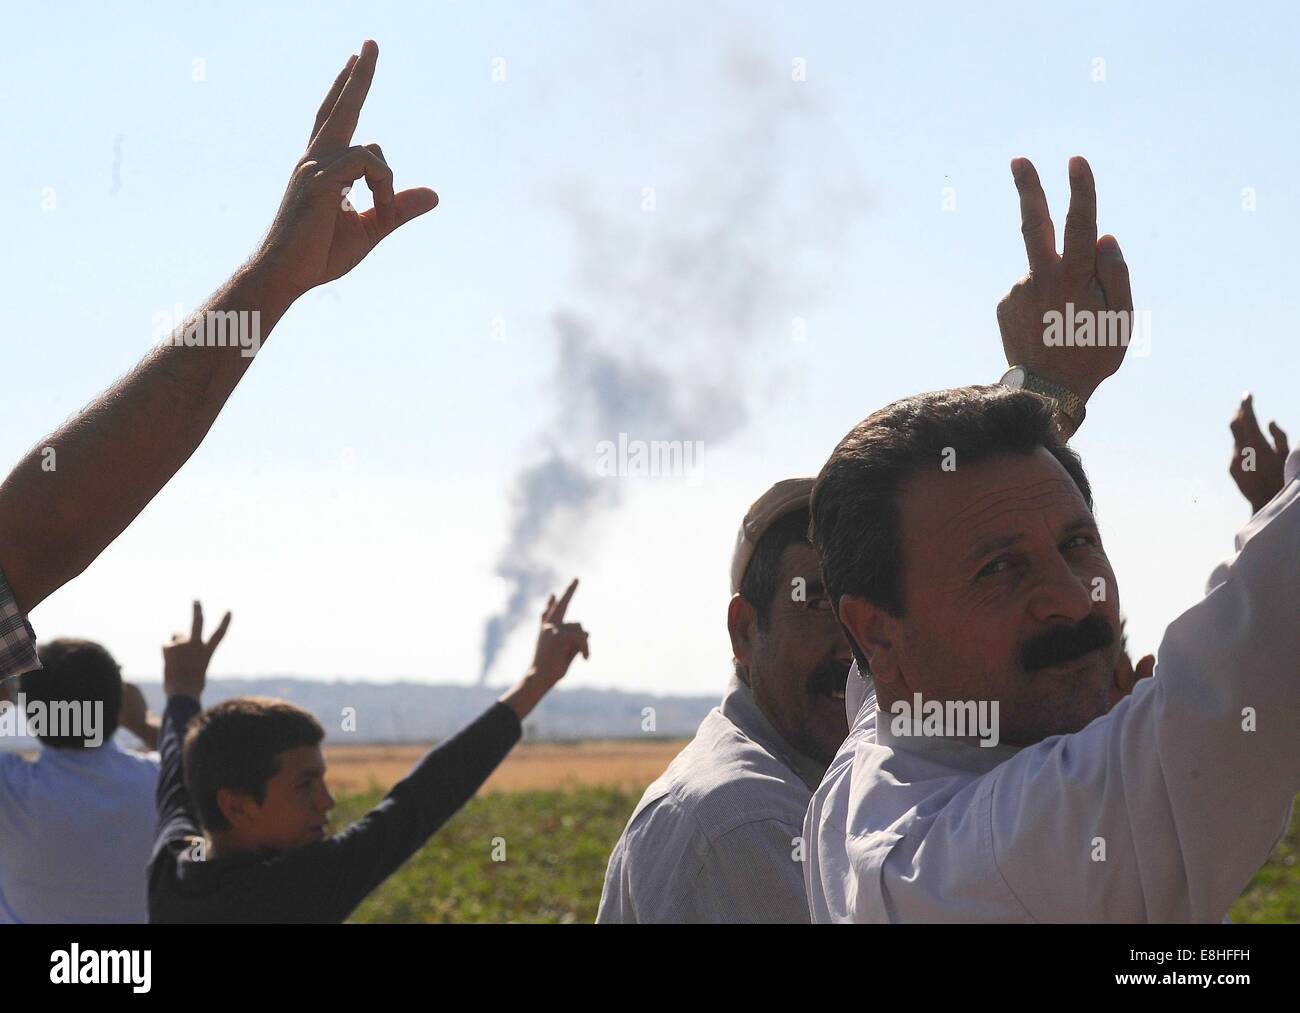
(1068, 404)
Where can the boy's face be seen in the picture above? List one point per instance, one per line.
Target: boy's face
(295, 809)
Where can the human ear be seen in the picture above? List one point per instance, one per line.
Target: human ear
(236, 806)
(742, 625)
(875, 632)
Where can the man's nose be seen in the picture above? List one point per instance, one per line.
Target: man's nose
(326, 801)
(1061, 593)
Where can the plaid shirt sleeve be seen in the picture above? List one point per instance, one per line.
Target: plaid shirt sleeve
(17, 639)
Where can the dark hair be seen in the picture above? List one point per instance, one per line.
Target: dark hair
(758, 585)
(75, 672)
(237, 744)
(855, 523)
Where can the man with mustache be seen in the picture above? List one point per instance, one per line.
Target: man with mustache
(717, 838)
(959, 547)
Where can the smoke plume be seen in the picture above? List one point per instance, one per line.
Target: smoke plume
(665, 350)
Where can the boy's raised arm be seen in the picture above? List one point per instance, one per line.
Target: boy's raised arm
(335, 876)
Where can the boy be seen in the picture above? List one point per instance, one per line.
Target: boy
(251, 774)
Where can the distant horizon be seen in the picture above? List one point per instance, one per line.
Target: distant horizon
(428, 684)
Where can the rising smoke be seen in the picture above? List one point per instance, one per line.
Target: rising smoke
(667, 351)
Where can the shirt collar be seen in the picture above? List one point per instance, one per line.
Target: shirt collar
(959, 754)
(742, 710)
(858, 688)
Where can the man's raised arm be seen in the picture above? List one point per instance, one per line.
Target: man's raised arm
(60, 510)
(1066, 325)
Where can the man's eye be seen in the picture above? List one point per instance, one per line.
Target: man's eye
(821, 603)
(997, 566)
(1078, 541)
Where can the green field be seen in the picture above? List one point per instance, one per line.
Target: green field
(556, 845)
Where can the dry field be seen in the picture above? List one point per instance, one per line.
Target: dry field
(630, 764)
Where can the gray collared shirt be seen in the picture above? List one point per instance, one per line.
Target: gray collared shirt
(718, 837)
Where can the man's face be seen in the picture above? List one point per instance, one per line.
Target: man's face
(799, 663)
(1008, 596)
(296, 805)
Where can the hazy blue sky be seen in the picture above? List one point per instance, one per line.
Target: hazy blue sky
(352, 500)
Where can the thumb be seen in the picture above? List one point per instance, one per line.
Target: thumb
(413, 203)
(407, 204)
(1279, 440)
(1146, 666)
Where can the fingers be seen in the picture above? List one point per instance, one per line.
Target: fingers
(337, 130)
(1035, 220)
(562, 605)
(359, 161)
(1112, 272)
(196, 626)
(407, 204)
(1237, 424)
(579, 636)
(1079, 249)
(1124, 672)
(220, 633)
(1244, 425)
(327, 106)
(385, 215)
(1279, 440)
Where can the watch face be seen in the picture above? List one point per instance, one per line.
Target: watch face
(1014, 377)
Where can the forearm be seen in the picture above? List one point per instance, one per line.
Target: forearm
(60, 510)
(172, 799)
(526, 694)
(358, 859)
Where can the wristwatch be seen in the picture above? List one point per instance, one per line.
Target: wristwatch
(1070, 409)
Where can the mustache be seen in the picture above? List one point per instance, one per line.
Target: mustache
(829, 675)
(1060, 645)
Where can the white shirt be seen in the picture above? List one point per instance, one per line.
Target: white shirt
(76, 831)
(717, 838)
(1160, 811)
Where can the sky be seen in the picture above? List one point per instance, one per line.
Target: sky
(770, 219)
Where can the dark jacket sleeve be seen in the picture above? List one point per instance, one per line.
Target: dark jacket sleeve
(331, 878)
(176, 817)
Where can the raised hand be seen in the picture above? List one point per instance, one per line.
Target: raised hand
(1257, 466)
(558, 643)
(133, 715)
(185, 661)
(1090, 275)
(317, 235)
(133, 712)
